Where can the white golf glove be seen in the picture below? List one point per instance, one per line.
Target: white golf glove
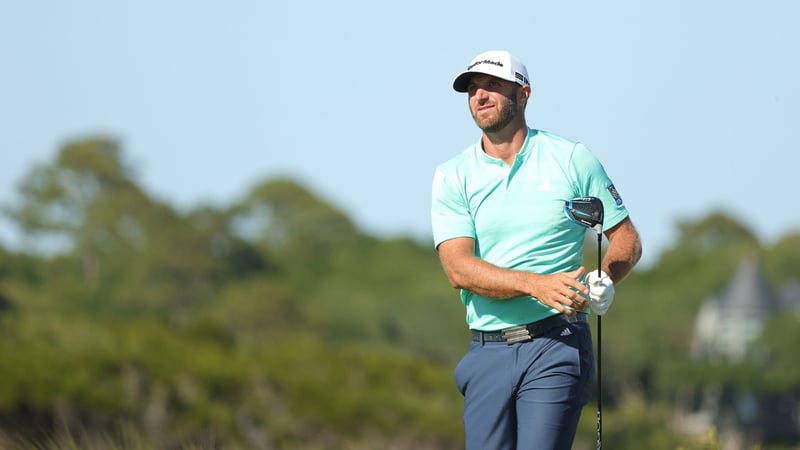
(601, 292)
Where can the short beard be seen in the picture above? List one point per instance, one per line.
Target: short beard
(508, 112)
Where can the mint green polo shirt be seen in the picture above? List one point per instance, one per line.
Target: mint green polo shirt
(516, 216)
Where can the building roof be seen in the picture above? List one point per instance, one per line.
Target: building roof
(748, 292)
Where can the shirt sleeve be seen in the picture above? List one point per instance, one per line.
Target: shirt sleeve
(450, 215)
(592, 180)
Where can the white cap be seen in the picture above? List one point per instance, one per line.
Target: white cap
(497, 63)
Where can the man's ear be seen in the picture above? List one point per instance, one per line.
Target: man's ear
(525, 94)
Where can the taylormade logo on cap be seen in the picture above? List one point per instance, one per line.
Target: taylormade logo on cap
(485, 61)
(497, 63)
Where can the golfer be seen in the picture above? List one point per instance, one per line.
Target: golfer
(504, 241)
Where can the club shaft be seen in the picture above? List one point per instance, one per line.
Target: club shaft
(599, 386)
(599, 357)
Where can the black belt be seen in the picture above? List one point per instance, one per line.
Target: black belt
(525, 333)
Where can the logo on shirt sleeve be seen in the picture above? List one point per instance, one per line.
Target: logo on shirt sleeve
(615, 194)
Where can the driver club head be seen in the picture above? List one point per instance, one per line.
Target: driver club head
(585, 211)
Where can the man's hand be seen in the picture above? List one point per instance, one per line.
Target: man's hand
(560, 291)
(601, 292)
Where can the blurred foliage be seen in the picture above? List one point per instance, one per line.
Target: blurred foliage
(273, 322)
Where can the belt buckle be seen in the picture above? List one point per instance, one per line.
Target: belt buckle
(516, 334)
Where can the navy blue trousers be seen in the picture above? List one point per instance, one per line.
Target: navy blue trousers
(527, 395)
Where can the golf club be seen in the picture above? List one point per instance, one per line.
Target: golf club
(588, 212)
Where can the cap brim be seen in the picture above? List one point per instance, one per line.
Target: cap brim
(462, 81)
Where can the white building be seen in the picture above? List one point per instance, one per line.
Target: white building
(728, 325)
(727, 328)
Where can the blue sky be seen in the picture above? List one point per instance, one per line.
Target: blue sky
(690, 105)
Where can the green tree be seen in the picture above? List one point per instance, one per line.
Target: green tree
(288, 222)
(782, 260)
(134, 252)
(86, 200)
(779, 366)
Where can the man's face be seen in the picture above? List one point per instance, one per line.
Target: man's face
(492, 102)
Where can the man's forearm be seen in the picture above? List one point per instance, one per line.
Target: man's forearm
(485, 279)
(624, 251)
